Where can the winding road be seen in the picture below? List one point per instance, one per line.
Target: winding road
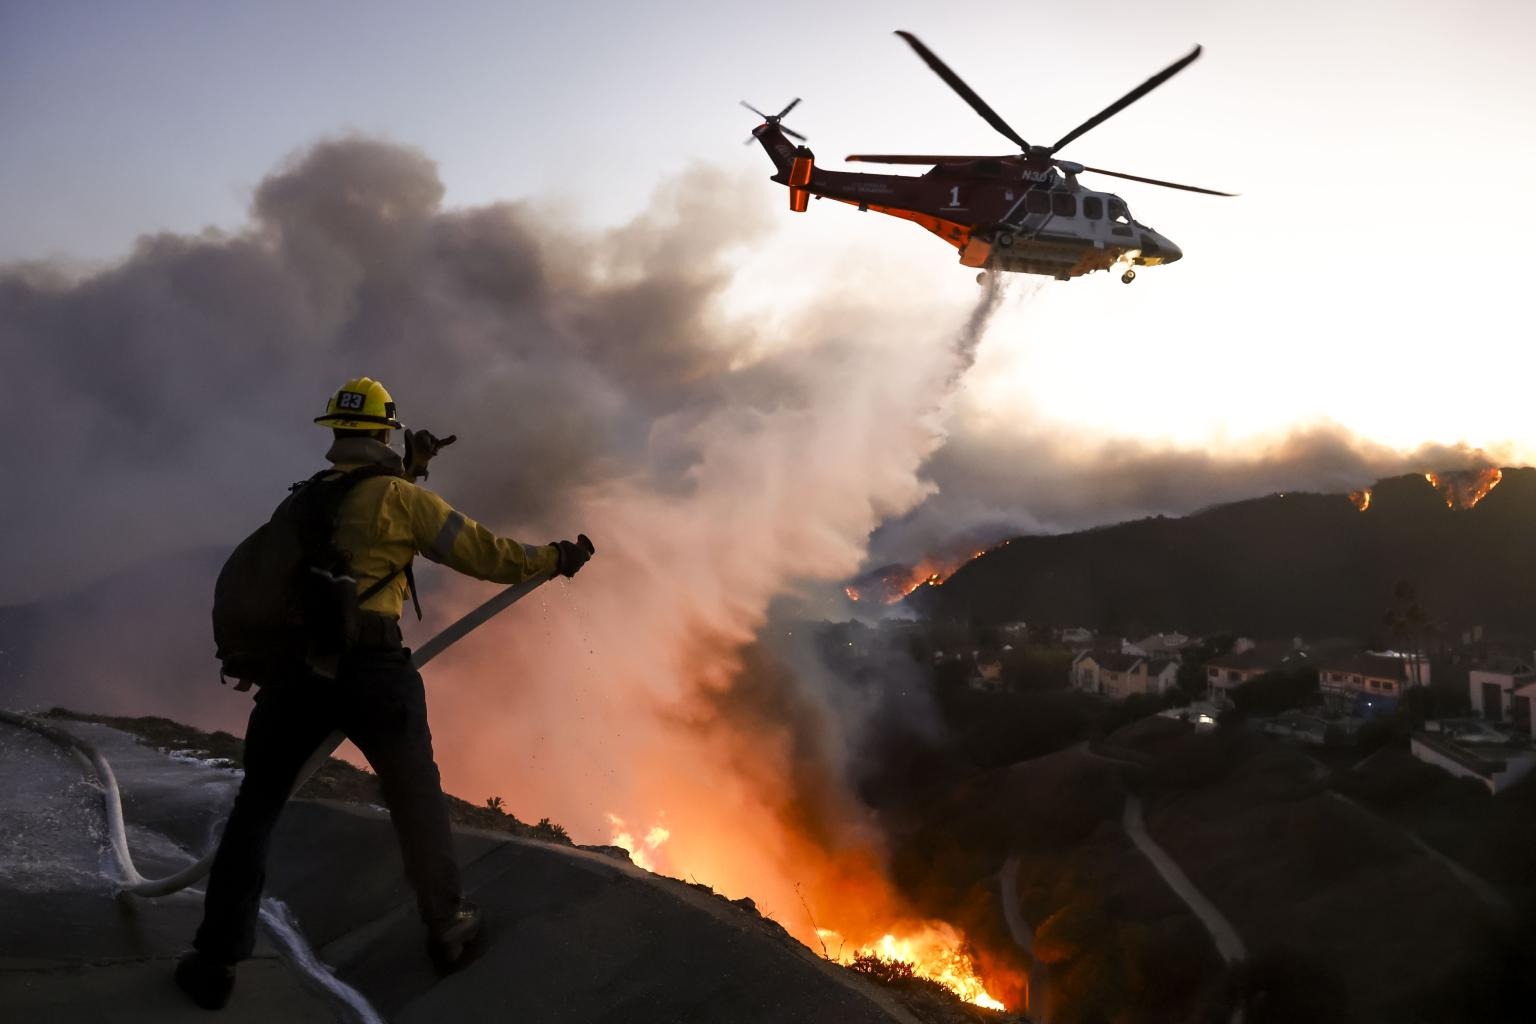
(1228, 943)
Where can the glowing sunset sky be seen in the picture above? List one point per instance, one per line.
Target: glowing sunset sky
(1371, 275)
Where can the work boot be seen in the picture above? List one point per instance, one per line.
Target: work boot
(209, 982)
(452, 942)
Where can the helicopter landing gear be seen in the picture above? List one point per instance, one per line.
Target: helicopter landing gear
(1005, 240)
(1128, 277)
(981, 277)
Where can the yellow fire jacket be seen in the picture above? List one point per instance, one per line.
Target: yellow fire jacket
(386, 521)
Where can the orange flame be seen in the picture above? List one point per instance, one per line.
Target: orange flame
(642, 852)
(898, 582)
(934, 950)
(1463, 489)
(1361, 499)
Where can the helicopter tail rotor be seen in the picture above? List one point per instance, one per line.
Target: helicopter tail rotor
(775, 119)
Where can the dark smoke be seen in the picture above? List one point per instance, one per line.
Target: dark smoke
(160, 404)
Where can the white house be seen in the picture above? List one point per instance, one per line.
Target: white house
(1502, 691)
(1498, 768)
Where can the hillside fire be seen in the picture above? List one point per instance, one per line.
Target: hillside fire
(1361, 499)
(892, 583)
(935, 951)
(1463, 489)
(929, 948)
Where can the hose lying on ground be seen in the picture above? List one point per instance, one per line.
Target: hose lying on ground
(130, 880)
(273, 914)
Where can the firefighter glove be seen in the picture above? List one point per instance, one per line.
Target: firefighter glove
(420, 446)
(572, 557)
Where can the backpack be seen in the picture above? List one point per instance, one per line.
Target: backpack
(286, 602)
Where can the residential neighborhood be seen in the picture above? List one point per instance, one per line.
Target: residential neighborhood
(1491, 744)
(1467, 709)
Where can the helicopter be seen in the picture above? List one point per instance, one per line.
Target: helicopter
(1017, 213)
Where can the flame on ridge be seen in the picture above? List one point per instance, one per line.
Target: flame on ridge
(1463, 489)
(642, 852)
(895, 582)
(1361, 499)
(934, 951)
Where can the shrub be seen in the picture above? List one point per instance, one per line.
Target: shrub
(549, 832)
(887, 972)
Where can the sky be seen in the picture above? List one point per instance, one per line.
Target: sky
(1369, 279)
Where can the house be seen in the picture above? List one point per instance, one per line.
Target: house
(1495, 766)
(1502, 690)
(1247, 661)
(1076, 636)
(1372, 681)
(1121, 675)
(989, 673)
(1159, 645)
(1162, 674)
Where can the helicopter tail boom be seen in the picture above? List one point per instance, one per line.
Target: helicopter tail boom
(779, 149)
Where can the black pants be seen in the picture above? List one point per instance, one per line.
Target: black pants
(377, 700)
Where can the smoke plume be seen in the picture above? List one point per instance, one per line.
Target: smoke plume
(597, 385)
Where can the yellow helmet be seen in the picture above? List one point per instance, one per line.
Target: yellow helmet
(360, 404)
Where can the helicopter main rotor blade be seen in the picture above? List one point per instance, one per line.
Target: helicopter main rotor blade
(1129, 98)
(754, 110)
(787, 109)
(966, 92)
(792, 133)
(901, 158)
(1155, 181)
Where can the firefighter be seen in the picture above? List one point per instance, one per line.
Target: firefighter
(372, 693)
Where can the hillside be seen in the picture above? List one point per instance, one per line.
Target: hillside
(1275, 566)
(573, 934)
(1346, 915)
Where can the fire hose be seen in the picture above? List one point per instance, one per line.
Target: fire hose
(136, 884)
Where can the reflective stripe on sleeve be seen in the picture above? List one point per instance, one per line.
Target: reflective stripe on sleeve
(442, 544)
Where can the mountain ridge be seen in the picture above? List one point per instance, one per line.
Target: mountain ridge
(1272, 566)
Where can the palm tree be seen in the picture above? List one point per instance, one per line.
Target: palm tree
(1408, 623)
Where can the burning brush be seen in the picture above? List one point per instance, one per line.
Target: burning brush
(891, 583)
(1463, 489)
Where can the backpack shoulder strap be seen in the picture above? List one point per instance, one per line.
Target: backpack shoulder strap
(410, 585)
(353, 478)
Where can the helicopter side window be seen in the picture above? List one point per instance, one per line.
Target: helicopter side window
(1093, 208)
(1118, 212)
(1063, 205)
(1036, 201)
